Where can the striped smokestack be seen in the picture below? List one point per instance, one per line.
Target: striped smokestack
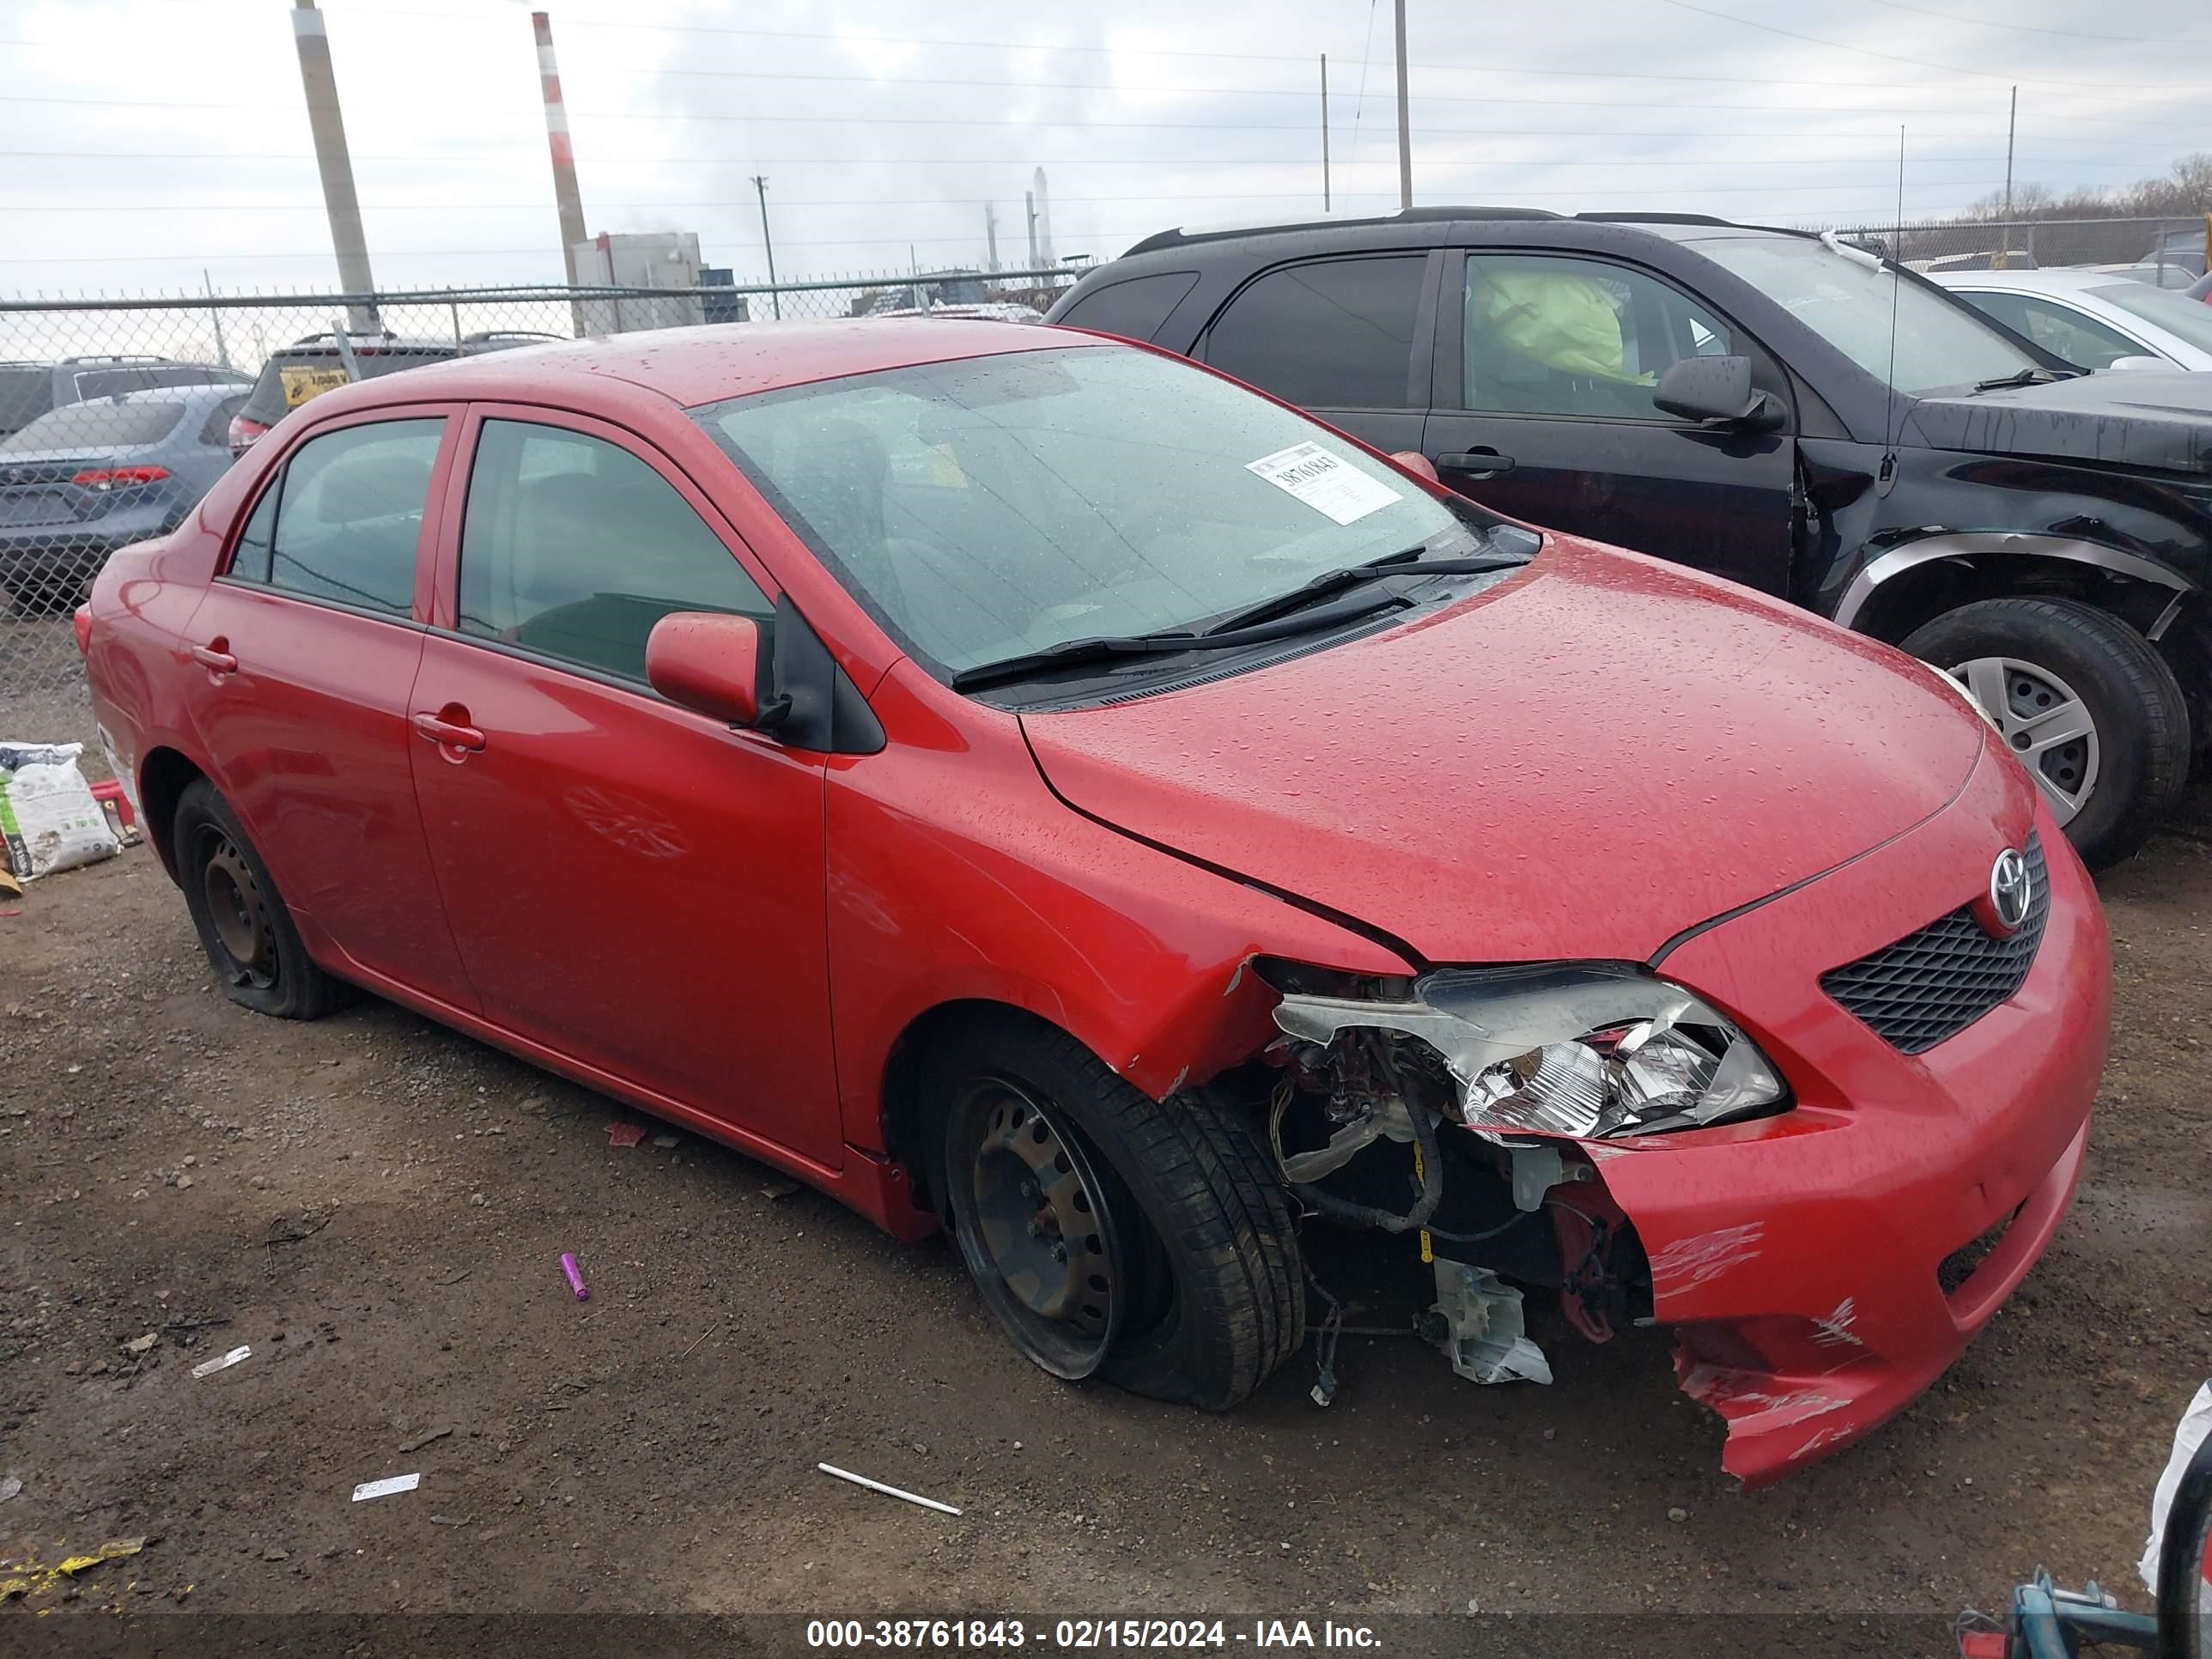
(566, 196)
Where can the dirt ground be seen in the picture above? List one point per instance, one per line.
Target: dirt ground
(376, 1205)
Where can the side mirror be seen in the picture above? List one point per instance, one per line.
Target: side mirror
(709, 663)
(2139, 362)
(2184, 1564)
(1716, 392)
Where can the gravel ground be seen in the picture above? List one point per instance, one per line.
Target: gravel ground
(376, 1207)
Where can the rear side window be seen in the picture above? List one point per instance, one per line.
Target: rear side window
(113, 382)
(1330, 334)
(98, 426)
(575, 548)
(24, 394)
(349, 515)
(1134, 309)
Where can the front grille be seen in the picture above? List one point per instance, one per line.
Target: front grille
(1931, 984)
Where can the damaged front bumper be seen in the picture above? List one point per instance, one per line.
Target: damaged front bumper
(1821, 1265)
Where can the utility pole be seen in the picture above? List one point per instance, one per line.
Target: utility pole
(2012, 131)
(567, 199)
(991, 232)
(311, 34)
(1405, 120)
(215, 315)
(776, 299)
(1324, 132)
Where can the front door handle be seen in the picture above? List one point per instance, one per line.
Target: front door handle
(449, 734)
(215, 658)
(1484, 463)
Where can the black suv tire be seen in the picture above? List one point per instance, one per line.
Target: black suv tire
(2140, 744)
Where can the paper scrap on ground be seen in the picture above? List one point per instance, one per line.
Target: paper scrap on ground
(222, 1362)
(387, 1486)
(1324, 481)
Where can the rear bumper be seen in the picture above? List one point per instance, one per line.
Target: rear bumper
(1823, 1267)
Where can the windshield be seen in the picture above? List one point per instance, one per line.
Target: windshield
(2185, 319)
(994, 506)
(97, 426)
(1940, 341)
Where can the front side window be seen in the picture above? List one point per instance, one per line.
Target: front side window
(575, 548)
(1938, 343)
(2059, 330)
(348, 516)
(1328, 334)
(1548, 335)
(991, 507)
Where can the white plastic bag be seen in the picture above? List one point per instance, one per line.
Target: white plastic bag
(47, 812)
(2196, 1425)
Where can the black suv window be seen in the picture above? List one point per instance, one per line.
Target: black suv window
(347, 517)
(574, 547)
(1551, 336)
(1328, 334)
(1132, 309)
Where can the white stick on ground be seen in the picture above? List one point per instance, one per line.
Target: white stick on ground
(889, 1491)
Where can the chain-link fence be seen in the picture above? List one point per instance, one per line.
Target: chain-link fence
(2167, 251)
(116, 415)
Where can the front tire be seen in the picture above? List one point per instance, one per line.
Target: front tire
(2084, 702)
(244, 925)
(1191, 1291)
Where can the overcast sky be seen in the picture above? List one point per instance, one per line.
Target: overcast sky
(144, 141)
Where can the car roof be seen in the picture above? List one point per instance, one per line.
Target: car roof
(2065, 280)
(705, 365)
(1676, 227)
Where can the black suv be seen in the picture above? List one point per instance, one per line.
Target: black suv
(313, 364)
(1777, 407)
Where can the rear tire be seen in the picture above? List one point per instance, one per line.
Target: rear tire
(2035, 665)
(244, 925)
(1200, 1251)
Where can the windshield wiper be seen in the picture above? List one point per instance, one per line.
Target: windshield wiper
(2025, 377)
(1244, 629)
(1400, 564)
(1108, 647)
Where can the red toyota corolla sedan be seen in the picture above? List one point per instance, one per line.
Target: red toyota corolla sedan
(1023, 781)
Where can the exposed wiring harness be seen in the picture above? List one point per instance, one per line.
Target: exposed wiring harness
(1431, 1165)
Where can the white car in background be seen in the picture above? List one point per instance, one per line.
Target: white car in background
(2093, 319)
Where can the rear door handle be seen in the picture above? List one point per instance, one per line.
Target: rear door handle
(1482, 462)
(213, 659)
(448, 734)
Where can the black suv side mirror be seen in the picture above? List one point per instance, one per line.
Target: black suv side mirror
(1716, 392)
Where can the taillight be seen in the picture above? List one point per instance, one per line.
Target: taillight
(119, 477)
(243, 432)
(83, 620)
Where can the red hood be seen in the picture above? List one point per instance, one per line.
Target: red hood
(1581, 761)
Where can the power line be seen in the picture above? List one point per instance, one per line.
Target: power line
(1300, 58)
(2031, 29)
(1918, 63)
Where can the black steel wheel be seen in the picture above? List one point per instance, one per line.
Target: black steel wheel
(258, 957)
(1036, 1226)
(1193, 1291)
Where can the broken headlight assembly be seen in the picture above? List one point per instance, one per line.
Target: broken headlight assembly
(1589, 1050)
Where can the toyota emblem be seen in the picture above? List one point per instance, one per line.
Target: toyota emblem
(2012, 889)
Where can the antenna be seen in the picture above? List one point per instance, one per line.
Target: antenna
(1890, 424)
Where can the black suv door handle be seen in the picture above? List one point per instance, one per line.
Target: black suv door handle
(1483, 462)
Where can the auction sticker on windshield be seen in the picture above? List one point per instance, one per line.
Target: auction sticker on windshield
(1324, 483)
